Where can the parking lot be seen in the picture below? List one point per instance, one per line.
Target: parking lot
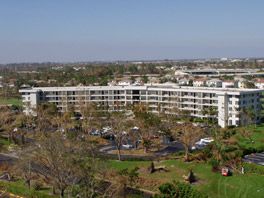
(257, 158)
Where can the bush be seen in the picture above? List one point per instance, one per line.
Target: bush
(36, 185)
(179, 190)
(215, 165)
(249, 150)
(253, 168)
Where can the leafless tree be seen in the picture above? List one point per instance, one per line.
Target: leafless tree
(120, 125)
(148, 124)
(187, 134)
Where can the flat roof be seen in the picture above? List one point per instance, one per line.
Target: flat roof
(169, 87)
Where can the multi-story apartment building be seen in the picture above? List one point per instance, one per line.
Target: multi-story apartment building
(158, 98)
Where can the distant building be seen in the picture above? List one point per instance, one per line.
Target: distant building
(259, 83)
(124, 83)
(228, 84)
(214, 83)
(184, 82)
(199, 82)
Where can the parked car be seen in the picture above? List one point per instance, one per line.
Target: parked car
(106, 130)
(95, 132)
(202, 143)
(127, 146)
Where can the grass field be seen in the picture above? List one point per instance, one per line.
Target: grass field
(213, 184)
(19, 188)
(11, 101)
(257, 138)
(4, 141)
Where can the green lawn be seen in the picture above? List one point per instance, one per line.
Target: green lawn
(11, 101)
(257, 138)
(19, 188)
(213, 184)
(4, 141)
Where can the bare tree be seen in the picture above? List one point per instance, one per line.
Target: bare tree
(7, 120)
(63, 164)
(120, 124)
(23, 166)
(187, 134)
(148, 124)
(89, 116)
(53, 159)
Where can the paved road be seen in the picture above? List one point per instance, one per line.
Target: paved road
(170, 148)
(257, 158)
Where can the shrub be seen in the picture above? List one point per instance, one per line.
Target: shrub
(253, 168)
(215, 164)
(179, 190)
(36, 185)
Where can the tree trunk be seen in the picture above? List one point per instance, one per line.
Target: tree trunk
(186, 156)
(119, 154)
(62, 193)
(145, 149)
(124, 190)
(28, 183)
(22, 139)
(53, 190)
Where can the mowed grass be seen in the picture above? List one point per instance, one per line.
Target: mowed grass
(213, 184)
(19, 188)
(4, 141)
(257, 138)
(10, 101)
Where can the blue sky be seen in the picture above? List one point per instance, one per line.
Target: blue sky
(87, 30)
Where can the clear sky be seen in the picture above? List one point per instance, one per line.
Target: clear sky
(88, 30)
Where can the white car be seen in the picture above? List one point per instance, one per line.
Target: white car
(127, 146)
(95, 133)
(202, 143)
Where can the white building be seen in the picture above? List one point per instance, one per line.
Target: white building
(158, 98)
(124, 83)
(228, 84)
(259, 83)
(184, 81)
(214, 83)
(200, 82)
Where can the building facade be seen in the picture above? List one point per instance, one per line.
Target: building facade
(158, 98)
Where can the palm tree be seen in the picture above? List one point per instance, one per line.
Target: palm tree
(248, 116)
(210, 113)
(218, 148)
